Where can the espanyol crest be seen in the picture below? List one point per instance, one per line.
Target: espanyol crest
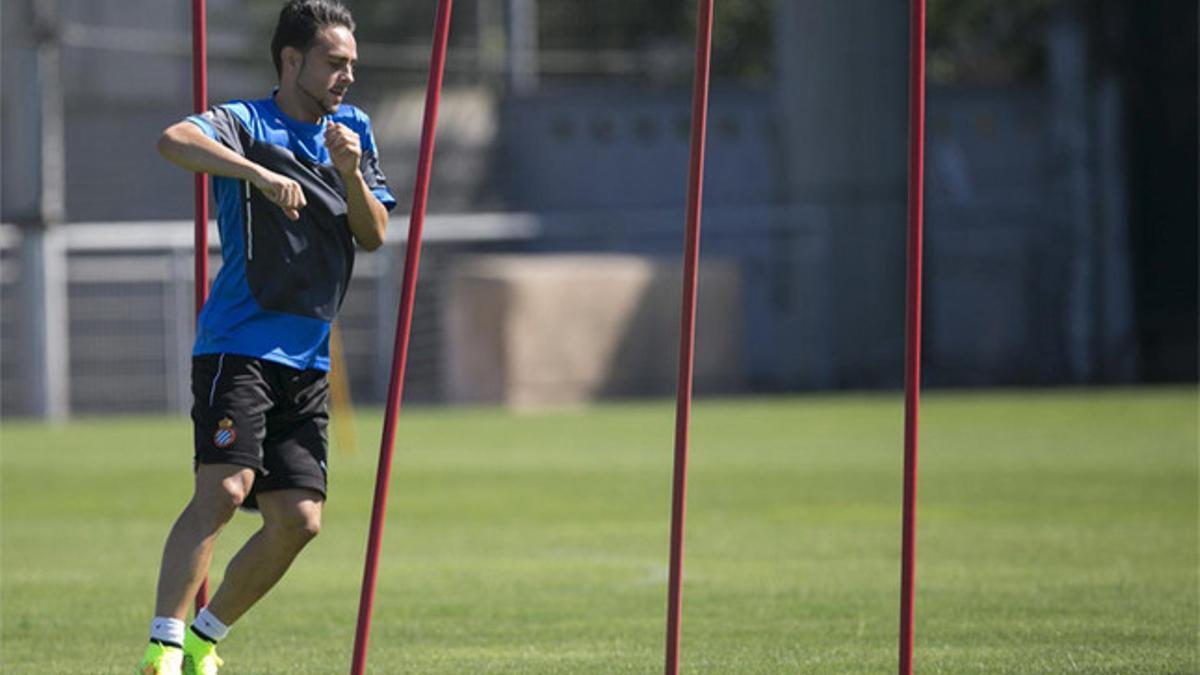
(225, 434)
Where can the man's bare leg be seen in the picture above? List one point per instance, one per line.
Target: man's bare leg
(219, 490)
(291, 518)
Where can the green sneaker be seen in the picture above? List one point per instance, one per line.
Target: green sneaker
(199, 655)
(161, 659)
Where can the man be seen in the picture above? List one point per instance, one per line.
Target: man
(297, 182)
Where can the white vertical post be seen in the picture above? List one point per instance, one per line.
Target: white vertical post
(523, 46)
(491, 42)
(45, 352)
(44, 345)
(49, 83)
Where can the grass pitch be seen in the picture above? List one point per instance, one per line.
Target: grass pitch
(1057, 534)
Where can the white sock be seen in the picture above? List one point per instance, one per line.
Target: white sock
(167, 630)
(207, 625)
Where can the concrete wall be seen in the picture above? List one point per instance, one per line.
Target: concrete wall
(532, 331)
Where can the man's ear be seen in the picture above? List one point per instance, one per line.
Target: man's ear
(291, 59)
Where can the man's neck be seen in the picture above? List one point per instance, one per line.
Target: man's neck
(293, 104)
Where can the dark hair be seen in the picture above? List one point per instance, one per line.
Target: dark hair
(299, 23)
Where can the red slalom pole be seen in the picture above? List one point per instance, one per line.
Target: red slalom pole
(412, 258)
(912, 355)
(687, 330)
(200, 237)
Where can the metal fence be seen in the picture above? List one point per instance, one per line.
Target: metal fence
(128, 291)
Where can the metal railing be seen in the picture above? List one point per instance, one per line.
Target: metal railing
(128, 290)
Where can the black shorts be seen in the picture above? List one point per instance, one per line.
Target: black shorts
(262, 415)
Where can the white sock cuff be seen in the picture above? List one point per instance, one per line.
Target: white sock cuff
(210, 626)
(167, 630)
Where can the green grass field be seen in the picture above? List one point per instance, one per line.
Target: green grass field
(1058, 534)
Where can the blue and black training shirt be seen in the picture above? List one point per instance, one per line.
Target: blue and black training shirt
(282, 281)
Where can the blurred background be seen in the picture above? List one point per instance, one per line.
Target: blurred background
(1061, 244)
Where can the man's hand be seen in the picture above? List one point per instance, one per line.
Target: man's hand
(187, 146)
(282, 192)
(344, 149)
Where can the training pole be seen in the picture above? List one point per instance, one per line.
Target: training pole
(912, 354)
(687, 329)
(200, 243)
(412, 258)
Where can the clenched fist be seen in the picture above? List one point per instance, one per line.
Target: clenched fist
(282, 192)
(344, 149)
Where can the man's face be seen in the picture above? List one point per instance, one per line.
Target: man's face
(327, 70)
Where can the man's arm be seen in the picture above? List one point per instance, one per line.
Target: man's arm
(368, 217)
(185, 145)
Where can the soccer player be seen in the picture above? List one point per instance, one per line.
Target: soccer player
(297, 182)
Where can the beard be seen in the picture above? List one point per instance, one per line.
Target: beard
(326, 106)
(322, 102)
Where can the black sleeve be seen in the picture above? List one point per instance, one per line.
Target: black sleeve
(223, 125)
(372, 174)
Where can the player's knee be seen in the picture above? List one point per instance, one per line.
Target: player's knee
(219, 495)
(212, 511)
(300, 527)
(220, 505)
(233, 496)
(310, 528)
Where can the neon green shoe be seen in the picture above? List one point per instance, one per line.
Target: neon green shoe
(161, 660)
(199, 655)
